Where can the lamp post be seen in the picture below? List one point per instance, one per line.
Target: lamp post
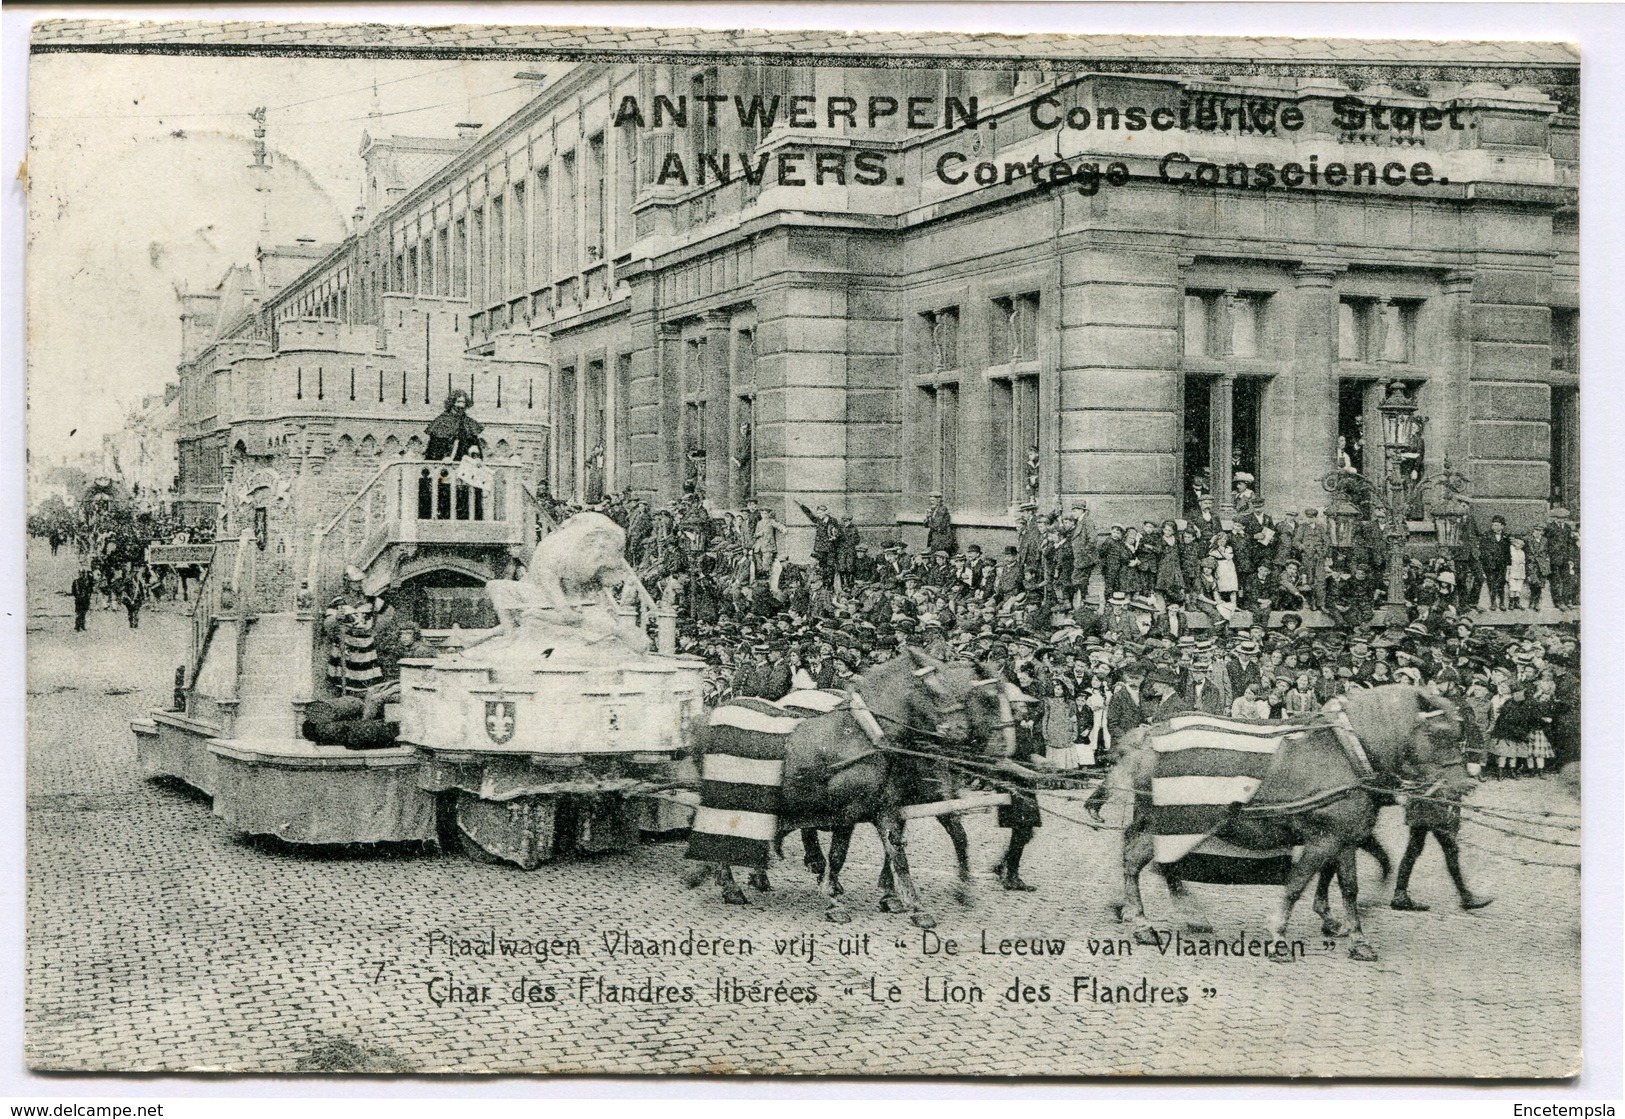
(1401, 440)
(1401, 444)
(1450, 510)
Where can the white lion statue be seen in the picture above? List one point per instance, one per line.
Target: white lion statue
(566, 605)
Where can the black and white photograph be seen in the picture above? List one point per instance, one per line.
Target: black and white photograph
(640, 550)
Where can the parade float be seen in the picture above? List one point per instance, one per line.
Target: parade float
(517, 742)
(551, 725)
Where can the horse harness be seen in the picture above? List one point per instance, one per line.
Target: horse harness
(1353, 750)
(869, 722)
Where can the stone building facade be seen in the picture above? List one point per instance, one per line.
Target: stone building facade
(822, 332)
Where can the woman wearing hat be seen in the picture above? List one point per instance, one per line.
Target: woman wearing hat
(1170, 581)
(1510, 725)
(1060, 728)
(1226, 582)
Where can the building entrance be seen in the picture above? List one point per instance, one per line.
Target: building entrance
(1198, 440)
(1350, 451)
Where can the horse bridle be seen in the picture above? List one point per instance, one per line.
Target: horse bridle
(931, 676)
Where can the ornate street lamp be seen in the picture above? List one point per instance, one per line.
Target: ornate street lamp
(1341, 518)
(1358, 496)
(1400, 431)
(1451, 510)
(1399, 422)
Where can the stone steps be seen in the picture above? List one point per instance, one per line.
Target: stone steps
(275, 667)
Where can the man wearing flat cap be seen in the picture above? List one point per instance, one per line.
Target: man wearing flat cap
(939, 527)
(1315, 546)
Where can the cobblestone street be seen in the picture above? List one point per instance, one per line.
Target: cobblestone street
(157, 940)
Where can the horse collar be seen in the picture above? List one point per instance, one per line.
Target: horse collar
(865, 718)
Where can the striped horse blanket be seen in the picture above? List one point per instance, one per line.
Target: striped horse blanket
(747, 768)
(742, 782)
(1207, 768)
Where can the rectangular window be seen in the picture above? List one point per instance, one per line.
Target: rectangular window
(944, 339)
(745, 349)
(596, 196)
(1354, 323)
(569, 259)
(1565, 341)
(1246, 325)
(442, 262)
(1024, 328)
(1001, 342)
(1198, 325)
(621, 456)
(476, 266)
(426, 275)
(519, 260)
(626, 184)
(694, 368)
(1565, 443)
(544, 228)
(459, 259)
(499, 250)
(1398, 325)
(564, 419)
(596, 417)
(1001, 405)
(944, 414)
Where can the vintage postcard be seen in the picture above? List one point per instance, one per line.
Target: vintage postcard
(632, 550)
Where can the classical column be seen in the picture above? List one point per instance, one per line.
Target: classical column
(718, 394)
(1312, 449)
(1221, 434)
(669, 356)
(1452, 424)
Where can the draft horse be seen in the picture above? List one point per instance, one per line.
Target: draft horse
(856, 763)
(923, 781)
(1321, 793)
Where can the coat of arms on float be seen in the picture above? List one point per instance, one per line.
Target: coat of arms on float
(499, 720)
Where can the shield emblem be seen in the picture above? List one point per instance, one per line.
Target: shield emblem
(499, 720)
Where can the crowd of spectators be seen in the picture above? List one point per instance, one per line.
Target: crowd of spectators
(1107, 627)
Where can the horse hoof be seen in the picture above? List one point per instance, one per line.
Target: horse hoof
(962, 893)
(760, 884)
(1198, 928)
(923, 919)
(1146, 935)
(1363, 952)
(1330, 927)
(1117, 909)
(891, 904)
(735, 897)
(693, 878)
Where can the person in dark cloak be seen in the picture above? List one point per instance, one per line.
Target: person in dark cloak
(454, 431)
